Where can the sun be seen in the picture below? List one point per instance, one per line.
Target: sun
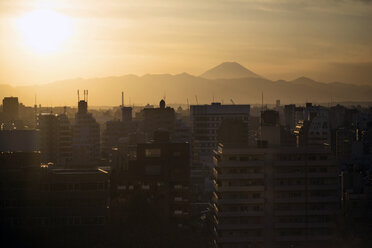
(45, 30)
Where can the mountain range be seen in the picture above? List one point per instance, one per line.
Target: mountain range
(225, 82)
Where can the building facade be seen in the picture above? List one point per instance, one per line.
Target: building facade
(55, 138)
(85, 137)
(275, 197)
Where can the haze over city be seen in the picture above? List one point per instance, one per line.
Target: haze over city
(45, 41)
(186, 123)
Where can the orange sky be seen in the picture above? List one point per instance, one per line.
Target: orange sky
(327, 40)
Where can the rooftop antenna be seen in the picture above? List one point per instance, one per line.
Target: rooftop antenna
(262, 106)
(35, 109)
(78, 95)
(122, 98)
(87, 97)
(196, 98)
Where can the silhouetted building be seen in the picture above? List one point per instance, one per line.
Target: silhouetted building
(275, 197)
(161, 171)
(206, 120)
(159, 118)
(37, 200)
(114, 130)
(126, 114)
(314, 129)
(55, 138)
(19, 140)
(85, 137)
(289, 116)
(233, 132)
(270, 127)
(117, 129)
(10, 108)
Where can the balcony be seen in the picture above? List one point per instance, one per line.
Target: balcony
(241, 176)
(323, 187)
(289, 212)
(323, 174)
(305, 212)
(239, 188)
(239, 226)
(239, 239)
(290, 163)
(291, 200)
(290, 187)
(239, 213)
(229, 164)
(241, 201)
(303, 238)
(291, 175)
(324, 199)
(291, 225)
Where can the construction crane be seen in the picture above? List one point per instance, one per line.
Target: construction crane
(232, 101)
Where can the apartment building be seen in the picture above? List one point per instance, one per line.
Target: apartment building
(275, 196)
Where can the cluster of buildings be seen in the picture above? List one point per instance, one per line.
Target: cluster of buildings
(299, 177)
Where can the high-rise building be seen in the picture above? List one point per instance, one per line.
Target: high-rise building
(161, 171)
(10, 108)
(116, 130)
(275, 196)
(85, 137)
(55, 138)
(314, 129)
(289, 116)
(270, 127)
(19, 140)
(206, 120)
(36, 198)
(159, 118)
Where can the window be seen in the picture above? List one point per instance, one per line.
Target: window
(176, 154)
(153, 170)
(153, 152)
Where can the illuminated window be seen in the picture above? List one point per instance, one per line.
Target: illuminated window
(151, 153)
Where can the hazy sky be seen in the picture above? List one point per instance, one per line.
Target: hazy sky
(327, 40)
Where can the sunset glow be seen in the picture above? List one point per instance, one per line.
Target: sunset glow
(45, 31)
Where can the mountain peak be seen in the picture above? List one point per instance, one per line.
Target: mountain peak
(229, 70)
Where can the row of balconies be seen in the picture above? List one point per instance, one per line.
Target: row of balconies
(305, 212)
(240, 176)
(309, 199)
(241, 239)
(239, 188)
(241, 201)
(303, 225)
(306, 175)
(239, 213)
(305, 187)
(239, 226)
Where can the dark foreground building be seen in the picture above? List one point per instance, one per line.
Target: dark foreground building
(39, 204)
(275, 197)
(161, 172)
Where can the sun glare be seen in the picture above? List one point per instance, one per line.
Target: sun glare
(45, 30)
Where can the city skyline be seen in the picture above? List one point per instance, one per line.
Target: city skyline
(186, 123)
